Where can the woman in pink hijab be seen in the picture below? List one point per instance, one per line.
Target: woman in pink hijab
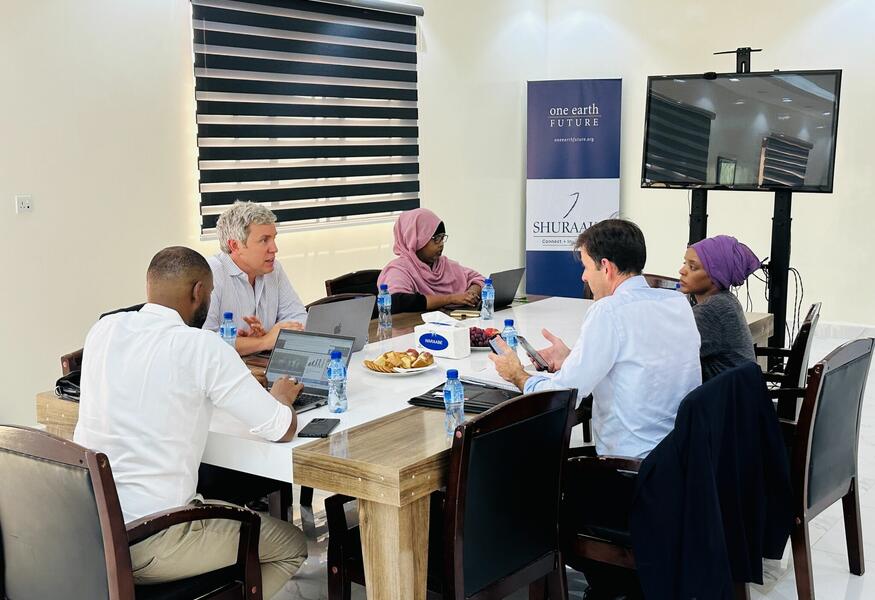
(422, 278)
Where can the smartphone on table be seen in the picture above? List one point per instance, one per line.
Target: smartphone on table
(318, 428)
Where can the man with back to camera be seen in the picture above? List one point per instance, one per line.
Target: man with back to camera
(250, 282)
(150, 380)
(637, 354)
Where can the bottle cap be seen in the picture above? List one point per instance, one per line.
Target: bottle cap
(384, 287)
(452, 374)
(487, 281)
(228, 315)
(508, 322)
(336, 355)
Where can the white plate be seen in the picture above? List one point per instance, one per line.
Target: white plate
(403, 372)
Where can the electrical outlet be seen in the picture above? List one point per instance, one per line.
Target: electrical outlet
(23, 204)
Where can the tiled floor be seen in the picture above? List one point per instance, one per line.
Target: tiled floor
(832, 579)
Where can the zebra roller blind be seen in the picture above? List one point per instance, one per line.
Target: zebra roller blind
(678, 136)
(783, 161)
(307, 106)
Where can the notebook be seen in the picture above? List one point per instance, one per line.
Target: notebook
(478, 398)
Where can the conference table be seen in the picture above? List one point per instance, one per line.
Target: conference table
(386, 453)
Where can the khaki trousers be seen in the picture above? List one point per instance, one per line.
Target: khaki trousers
(190, 549)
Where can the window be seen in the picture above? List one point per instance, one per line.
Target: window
(309, 107)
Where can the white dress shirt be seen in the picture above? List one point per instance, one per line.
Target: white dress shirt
(638, 355)
(149, 385)
(272, 299)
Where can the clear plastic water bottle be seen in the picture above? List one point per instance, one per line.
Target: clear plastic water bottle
(384, 311)
(337, 402)
(454, 401)
(509, 334)
(487, 298)
(228, 329)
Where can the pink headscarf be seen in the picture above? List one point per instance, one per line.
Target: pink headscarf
(413, 230)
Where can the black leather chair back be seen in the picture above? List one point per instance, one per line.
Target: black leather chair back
(661, 281)
(504, 489)
(357, 282)
(54, 521)
(336, 298)
(800, 351)
(833, 418)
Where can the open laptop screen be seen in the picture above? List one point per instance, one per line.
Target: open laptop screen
(305, 357)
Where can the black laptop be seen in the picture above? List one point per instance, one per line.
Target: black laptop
(506, 284)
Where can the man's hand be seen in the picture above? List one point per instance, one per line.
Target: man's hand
(270, 336)
(508, 365)
(285, 390)
(556, 353)
(256, 329)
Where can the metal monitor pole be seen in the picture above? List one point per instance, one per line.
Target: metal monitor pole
(779, 260)
(699, 201)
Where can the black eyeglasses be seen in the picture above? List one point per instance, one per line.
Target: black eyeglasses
(439, 238)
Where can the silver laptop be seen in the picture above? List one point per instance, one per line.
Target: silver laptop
(348, 317)
(305, 356)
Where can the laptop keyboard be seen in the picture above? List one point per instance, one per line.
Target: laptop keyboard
(306, 400)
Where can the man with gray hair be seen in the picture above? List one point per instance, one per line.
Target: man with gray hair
(249, 281)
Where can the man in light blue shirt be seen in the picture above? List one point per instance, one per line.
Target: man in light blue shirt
(638, 349)
(249, 282)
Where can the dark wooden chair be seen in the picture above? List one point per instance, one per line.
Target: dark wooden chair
(823, 461)
(654, 281)
(357, 282)
(336, 298)
(73, 360)
(608, 545)
(582, 541)
(661, 281)
(498, 530)
(788, 367)
(62, 534)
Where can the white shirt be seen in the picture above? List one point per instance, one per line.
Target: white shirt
(149, 385)
(638, 355)
(272, 299)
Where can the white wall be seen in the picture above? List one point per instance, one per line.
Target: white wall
(96, 119)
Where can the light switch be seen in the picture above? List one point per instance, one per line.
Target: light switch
(23, 203)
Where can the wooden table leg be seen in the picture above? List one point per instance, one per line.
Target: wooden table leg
(395, 549)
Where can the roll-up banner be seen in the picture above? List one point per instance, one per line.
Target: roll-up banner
(572, 176)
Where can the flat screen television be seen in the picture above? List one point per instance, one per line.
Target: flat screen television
(742, 131)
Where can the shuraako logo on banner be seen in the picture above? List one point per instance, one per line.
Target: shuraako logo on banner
(558, 210)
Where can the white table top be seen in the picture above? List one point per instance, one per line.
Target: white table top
(372, 395)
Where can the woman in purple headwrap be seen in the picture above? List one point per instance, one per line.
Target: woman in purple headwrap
(711, 267)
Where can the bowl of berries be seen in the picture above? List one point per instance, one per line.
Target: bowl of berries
(480, 337)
